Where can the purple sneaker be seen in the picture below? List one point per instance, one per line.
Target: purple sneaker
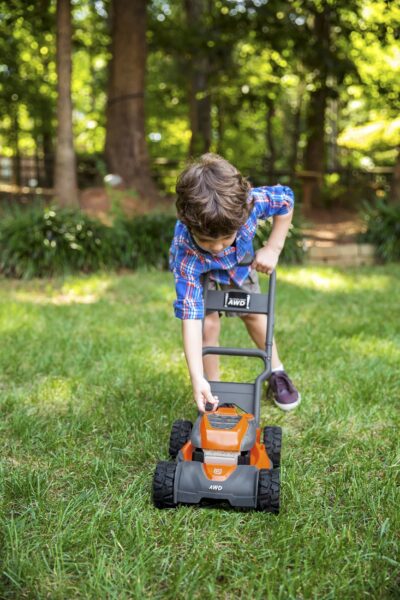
(282, 389)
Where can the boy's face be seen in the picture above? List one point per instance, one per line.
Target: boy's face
(214, 245)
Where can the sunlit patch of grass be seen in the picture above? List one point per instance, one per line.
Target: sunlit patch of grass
(72, 290)
(331, 280)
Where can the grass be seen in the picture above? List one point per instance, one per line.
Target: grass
(92, 376)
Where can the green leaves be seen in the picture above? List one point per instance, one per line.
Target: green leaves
(42, 242)
(383, 229)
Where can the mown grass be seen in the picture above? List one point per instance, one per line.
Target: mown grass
(91, 377)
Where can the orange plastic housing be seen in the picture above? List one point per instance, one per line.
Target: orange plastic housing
(227, 440)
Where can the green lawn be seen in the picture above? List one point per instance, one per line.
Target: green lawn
(92, 376)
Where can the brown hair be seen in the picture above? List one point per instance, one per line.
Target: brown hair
(212, 197)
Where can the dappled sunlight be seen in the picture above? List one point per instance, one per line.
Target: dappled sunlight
(74, 290)
(331, 280)
(52, 393)
(365, 345)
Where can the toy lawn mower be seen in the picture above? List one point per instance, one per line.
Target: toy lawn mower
(224, 456)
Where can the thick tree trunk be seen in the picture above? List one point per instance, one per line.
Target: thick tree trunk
(199, 94)
(65, 180)
(314, 157)
(394, 196)
(126, 149)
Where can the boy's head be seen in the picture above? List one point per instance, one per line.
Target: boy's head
(212, 199)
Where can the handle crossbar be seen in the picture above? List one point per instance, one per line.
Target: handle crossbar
(236, 300)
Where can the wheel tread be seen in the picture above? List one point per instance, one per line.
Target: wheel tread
(180, 434)
(163, 485)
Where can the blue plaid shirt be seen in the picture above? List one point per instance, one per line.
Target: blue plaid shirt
(188, 262)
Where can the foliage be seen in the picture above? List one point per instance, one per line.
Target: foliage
(263, 62)
(144, 240)
(382, 221)
(293, 250)
(41, 242)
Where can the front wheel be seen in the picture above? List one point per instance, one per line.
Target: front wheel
(163, 485)
(269, 490)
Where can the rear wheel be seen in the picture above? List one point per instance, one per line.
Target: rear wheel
(273, 444)
(180, 434)
(163, 485)
(268, 490)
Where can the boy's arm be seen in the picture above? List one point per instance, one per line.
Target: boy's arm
(276, 202)
(192, 344)
(267, 257)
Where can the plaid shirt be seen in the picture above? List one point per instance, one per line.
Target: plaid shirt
(188, 262)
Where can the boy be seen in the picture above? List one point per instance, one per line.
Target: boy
(218, 214)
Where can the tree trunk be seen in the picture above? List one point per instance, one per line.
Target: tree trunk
(65, 180)
(314, 157)
(295, 137)
(270, 157)
(199, 94)
(125, 148)
(394, 195)
(220, 125)
(15, 138)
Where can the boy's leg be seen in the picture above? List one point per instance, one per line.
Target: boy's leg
(257, 327)
(212, 327)
(281, 387)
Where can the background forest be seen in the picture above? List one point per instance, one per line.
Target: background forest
(301, 91)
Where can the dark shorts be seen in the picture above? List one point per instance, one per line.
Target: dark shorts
(251, 285)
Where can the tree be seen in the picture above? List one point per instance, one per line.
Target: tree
(199, 73)
(125, 147)
(65, 180)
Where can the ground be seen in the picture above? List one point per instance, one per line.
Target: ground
(92, 376)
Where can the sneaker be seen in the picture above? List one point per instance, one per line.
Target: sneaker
(282, 389)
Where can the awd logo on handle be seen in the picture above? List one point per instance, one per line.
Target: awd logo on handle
(236, 300)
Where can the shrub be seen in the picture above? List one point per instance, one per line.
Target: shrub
(144, 240)
(382, 222)
(41, 242)
(293, 251)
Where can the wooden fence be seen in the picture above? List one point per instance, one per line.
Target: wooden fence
(27, 177)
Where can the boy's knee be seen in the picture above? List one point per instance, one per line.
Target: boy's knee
(211, 327)
(250, 318)
(254, 320)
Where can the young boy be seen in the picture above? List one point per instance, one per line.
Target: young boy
(218, 214)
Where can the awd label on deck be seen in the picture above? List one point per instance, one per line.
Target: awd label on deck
(236, 300)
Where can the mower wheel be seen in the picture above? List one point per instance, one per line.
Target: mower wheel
(163, 485)
(268, 490)
(180, 434)
(273, 444)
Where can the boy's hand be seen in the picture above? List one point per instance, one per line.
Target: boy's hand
(202, 394)
(266, 260)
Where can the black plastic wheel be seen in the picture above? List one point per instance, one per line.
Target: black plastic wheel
(268, 490)
(273, 444)
(180, 434)
(163, 485)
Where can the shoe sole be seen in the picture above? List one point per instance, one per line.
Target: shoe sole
(287, 407)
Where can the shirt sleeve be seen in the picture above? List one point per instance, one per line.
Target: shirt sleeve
(272, 201)
(189, 290)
